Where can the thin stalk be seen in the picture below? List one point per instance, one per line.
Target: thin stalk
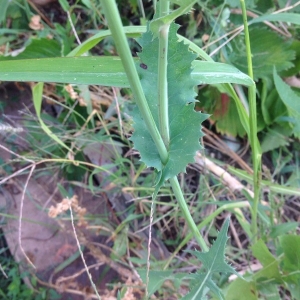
(115, 25)
(255, 147)
(163, 108)
(187, 215)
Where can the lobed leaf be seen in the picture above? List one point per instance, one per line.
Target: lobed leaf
(290, 99)
(213, 261)
(184, 122)
(267, 49)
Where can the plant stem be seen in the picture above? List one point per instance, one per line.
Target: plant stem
(256, 153)
(187, 215)
(163, 108)
(115, 25)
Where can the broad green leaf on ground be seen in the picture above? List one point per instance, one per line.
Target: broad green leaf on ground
(213, 261)
(226, 114)
(267, 48)
(37, 94)
(120, 244)
(104, 70)
(223, 109)
(184, 121)
(270, 264)
(290, 245)
(275, 137)
(295, 46)
(241, 289)
(291, 100)
(272, 108)
(156, 279)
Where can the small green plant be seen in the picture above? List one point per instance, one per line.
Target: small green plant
(14, 288)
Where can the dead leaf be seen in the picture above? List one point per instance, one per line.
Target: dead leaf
(35, 23)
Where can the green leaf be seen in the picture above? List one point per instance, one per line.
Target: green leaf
(184, 122)
(267, 49)
(156, 279)
(241, 289)
(65, 5)
(282, 17)
(120, 244)
(290, 245)
(290, 99)
(281, 229)
(270, 265)
(213, 261)
(101, 70)
(276, 136)
(38, 48)
(226, 116)
(271, 106)
(207, 72)
(78, 70)
(4, 5)
(37, 93)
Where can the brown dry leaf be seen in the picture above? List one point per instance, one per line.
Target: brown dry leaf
(81, 102)
(64, 205)
(71, 92)
(205, 38)
(2, 49)
(60, 208)
(35, 23)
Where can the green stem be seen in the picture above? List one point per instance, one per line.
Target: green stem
(163, 108)
(256, 153)
(186, 213)
(115, 25)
